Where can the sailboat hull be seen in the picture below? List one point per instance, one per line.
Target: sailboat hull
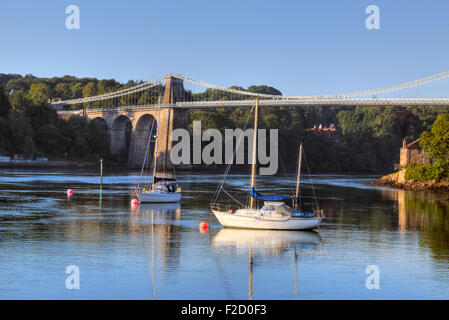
(232, 220)
(159, 197)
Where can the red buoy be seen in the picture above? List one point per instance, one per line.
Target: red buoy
(134, 203)
(69, 193)
(204, 226)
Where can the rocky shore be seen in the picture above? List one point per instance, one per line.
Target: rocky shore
(397, 180)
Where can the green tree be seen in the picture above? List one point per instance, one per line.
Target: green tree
(39, 93)
(89, 90)
(50, 142)
(436, 142)
(98, 138)
(18, 84)
(62, 90)
(21, 133)
(77, 90)
(4, 137)
(76, 129)
(105, 86)
(5, 106)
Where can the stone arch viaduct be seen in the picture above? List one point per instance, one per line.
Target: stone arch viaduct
(139, 121)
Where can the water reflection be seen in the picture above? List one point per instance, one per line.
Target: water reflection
(264, 243)
(156, 250)
(162, 212)
(429, 214)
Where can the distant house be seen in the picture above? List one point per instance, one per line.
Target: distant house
(330, 131)
(412, 153)
(320, 128)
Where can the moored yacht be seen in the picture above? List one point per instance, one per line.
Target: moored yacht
(274, 214)
(159, 188)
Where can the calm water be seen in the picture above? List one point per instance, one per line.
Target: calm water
(157, 251)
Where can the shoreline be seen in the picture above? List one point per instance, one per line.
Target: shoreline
(55, 164)
(33, 164)
(397, 180)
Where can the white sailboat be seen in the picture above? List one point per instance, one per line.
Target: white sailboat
(159, 188)
(274, 214)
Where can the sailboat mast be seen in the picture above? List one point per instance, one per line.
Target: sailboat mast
(157, 136)
(298, 178)
(253, 167)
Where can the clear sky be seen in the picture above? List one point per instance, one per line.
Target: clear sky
(299, 47)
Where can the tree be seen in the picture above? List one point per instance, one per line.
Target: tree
(76, 129)
(21, 133)
(77, 90)
(89, 90)
(264, 89)
(50, 142)
(39, 93)
(5, 106)
(41, 115)
(436, 142)
(19, 100)
(98, 138)
(105, 86)
(63, 91)
(4, 137)
(18, 84)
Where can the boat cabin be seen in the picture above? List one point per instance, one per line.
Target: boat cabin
(165, 186)
(277, 207)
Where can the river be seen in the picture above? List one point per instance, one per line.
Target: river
(158, 251)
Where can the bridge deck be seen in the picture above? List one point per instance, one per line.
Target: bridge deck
(367, 102)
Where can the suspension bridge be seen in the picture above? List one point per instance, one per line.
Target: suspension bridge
(128, 113)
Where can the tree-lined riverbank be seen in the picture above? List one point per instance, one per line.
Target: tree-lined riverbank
(364, 139)
(426, 176)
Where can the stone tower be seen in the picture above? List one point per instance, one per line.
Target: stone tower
(171, 118)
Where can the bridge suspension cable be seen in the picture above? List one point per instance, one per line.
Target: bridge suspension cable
(397, 87)
(134, 89)
(371, 92)
(160, 82)
(225, 89)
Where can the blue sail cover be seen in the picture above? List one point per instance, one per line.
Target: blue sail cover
(257, 195)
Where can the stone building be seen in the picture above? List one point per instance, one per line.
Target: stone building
(412, 153)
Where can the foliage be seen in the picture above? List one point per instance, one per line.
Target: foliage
(5, 106)
(436, 145)
(32, 130)
(366, 139)
(39, 93)
(422, 172)
(63, 91)
(89, 90)
(436, 142)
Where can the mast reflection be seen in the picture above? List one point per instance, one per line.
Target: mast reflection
(162, 233)
(265, 243)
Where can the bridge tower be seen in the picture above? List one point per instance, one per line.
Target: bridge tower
(171, 118)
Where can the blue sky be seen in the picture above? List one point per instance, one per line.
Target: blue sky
(299, 47)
